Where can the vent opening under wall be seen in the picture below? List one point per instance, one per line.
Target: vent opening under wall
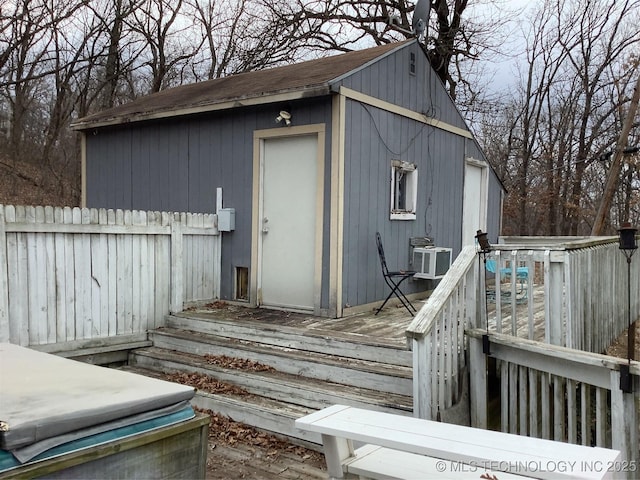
(242, 284)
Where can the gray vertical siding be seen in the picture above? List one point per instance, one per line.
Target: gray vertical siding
(389, 79)
(374, 139)
(177, 164)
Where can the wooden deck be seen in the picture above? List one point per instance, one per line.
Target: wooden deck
(386, 328)
(524, 318)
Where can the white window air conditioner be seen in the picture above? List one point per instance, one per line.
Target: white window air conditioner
(431, 263)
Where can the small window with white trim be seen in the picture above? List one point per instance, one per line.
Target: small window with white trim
(404, 190)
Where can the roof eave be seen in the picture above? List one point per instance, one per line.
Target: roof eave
(274, 97)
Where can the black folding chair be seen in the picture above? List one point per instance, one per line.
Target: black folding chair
(394, 279)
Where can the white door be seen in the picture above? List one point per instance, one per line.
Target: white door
(474, 208)
(288, 221)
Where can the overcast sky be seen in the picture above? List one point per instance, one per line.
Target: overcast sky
(500, 70)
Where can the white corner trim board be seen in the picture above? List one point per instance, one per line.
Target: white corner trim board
(405, 112)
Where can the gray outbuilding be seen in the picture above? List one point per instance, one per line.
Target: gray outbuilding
(315, 158)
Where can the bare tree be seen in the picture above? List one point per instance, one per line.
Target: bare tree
(569, 103)
(613, 177)
(157, 23)
(453, 37)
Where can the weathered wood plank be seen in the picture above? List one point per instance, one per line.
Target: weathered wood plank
(383, 378)
(504, 396)
(440, 353)
(498, 293)
(5, 327)
(82, 257)
(585, 413)
(513, 398)
(50, 279)
(150, 275)
(624, 423)
(534, 409)
(98, 344)
(572, 411)
(177, 274)
(478, 385)
(136, 280)
(128, 283)
(422, 391)
(36, 278)
(112, 277)
(523, 400)
(558, 408)
(76, 274)
(88, 229)
(557, 360)
(162, 273)
(69, 278)
(61, 280)
(601, 417)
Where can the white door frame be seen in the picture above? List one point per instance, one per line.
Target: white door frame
(259, 136)
(484, 195)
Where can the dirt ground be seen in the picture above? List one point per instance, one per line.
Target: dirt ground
(238, 451)
(619, 347)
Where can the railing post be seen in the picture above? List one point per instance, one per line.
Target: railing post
(4, 285)
(478, 383)
(176, 274)
(422, 394)
(476, 296)
(624, 423)
(553, 290)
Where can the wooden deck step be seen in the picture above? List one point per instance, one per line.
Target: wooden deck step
(279, 386)
(268, 415)
(316, 362)
(338, 369)
(315, 339)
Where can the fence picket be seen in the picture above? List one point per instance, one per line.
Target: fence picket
(22, 307)
(68, 274)
(50, 279)
(572, 430)
(534, 417)
(5, 328)
(601, 417)
(163, 267)
(36, 286)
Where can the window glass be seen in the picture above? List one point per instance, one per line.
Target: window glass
(404, 190)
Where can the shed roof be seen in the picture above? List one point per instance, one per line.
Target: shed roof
(310, 78)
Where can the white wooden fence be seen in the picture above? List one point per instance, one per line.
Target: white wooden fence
(557, 393)
(584, 285)
(68, 274)
(583, 307)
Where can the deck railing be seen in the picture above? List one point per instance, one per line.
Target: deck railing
(436, 337)
(574, 298)
(575, 294)
(556, 393)
(68, 274)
